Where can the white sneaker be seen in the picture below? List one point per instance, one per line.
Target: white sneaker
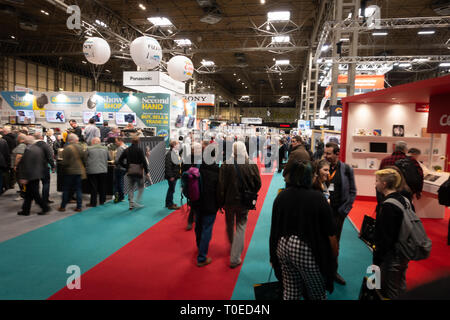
(18, 199)
(138, 205)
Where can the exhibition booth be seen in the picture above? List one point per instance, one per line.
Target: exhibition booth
(416, 113)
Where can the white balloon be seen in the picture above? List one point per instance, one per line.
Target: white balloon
(146, 52)
(180, 68)
(96, 50)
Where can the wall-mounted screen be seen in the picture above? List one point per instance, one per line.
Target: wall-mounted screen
(124, 118)
(25, 116)
(98, 116)
(55, 116)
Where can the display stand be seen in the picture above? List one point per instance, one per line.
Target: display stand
(325, 136)
(371, 122)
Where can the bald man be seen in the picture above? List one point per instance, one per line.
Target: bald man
(97, 171)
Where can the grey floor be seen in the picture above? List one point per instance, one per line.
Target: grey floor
(13, 225)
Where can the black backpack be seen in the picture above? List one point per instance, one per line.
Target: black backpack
(413, 178)
(444, 193)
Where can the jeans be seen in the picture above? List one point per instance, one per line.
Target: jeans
(203, 231)
(339, 222)
(236, 217)
(72, 181)
(170, 192)
(32, 193)
(119, 183)
(97, 184)
(46, 186)
(132, 181)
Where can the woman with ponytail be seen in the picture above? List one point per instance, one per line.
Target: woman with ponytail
(393, 266)
(303, 245)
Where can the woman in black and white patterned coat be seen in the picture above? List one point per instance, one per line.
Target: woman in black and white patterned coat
(303, 245)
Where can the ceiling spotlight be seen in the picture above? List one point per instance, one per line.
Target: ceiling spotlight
(142, 6)
(263, 1)
(325, 48)
(404, 65)
(444, 64)
(13, 37)
(45, 12)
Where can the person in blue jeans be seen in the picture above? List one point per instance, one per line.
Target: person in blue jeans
(206, 209)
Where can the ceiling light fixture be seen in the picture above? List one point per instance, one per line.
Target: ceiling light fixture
(45, 12)
(281, 39)
(101, 23)
(183, 42)
(160, 21)
(142, 6)
(426, 32)
(263, 1)
(379, 33)
(278, 16)
(207, 63)
(281, 62)
(444, 64)
(325, 48)
(404, 65)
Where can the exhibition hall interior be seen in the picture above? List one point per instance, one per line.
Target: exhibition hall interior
(224, 150)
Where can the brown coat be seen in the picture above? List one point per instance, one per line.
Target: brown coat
(298, 153)
(228, 194)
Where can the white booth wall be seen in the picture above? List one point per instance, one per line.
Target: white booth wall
(383, 116)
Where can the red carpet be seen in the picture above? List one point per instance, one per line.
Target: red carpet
(419, 272)
(160, 264)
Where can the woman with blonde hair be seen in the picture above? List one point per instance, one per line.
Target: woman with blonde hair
(389, 219)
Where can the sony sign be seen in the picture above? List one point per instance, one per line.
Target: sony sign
(200, 99)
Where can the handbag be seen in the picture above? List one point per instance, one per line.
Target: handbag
(268, 290)
(135, 169)
(248, 198)
(367, 233)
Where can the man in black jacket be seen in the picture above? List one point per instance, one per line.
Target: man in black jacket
(172, 173)
(48, 161)
(134, 155)
(206, 209)
(30, 172)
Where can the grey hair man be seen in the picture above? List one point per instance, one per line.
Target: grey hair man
(48, 164)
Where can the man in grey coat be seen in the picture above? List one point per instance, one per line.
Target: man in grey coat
(342, 190)
(91, 131)
(30, 172)
(97, 157)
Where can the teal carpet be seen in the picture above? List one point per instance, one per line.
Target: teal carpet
(33, 266)
(354, 256)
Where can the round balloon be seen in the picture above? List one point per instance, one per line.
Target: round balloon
(180, 68)
(96, 50)
(146, 52)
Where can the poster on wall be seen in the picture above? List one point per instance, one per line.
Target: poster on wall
(183, 114)
(152, 110)
(25, 116)
(55, 116)
(124, 118)
(98, 117)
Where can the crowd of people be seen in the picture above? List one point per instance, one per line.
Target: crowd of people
(307, 216)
